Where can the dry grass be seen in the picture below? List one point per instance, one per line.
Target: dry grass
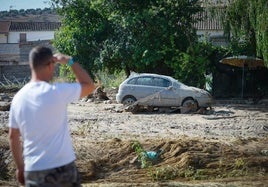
(182, 159)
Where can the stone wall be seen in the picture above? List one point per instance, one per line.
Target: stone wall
(9, 53)
(14, 73)
(18, 73)
(14, 61)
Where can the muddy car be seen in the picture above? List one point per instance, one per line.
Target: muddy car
(160, 91)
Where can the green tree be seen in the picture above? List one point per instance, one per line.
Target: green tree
(83, 32)
(148, 34)
(134, 35)
(156, 36)
(247, 21)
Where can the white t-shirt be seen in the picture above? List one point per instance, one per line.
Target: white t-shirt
(39, 111)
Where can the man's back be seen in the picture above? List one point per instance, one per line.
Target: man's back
(40, 113)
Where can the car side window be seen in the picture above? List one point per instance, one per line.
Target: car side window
(132, 81)
(159, 82)
(147, 81)
(167, 83)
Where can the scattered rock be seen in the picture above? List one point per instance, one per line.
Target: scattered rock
(4, 106)
(265, 127)
(264, 152)
(4, 97)
(100, 94)
(108, 102)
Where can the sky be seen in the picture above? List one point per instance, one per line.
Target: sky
(23, 4)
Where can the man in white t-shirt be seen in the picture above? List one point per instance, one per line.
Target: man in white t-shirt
(38, 118)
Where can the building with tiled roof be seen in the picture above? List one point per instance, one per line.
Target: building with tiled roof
(209, 23)
(16, 32)
(34, 26)
(211, 27)
(17, 38)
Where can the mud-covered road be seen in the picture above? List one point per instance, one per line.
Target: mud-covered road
(226, 147)
(229, 144)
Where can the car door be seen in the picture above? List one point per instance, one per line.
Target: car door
(167, 95)
(144, 90)
(178, 93)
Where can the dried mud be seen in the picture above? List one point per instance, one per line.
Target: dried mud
(227, 147)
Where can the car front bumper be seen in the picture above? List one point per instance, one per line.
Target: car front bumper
(205, 101)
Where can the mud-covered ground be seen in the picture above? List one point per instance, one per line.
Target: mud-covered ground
(228, 146)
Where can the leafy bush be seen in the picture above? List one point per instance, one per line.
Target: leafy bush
(110, 80)
(142, 156)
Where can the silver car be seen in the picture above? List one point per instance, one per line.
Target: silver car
(153, 90)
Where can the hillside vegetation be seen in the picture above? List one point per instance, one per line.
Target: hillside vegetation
(31, 15)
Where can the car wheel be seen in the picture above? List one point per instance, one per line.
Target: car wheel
(129, 100)
(189, 105)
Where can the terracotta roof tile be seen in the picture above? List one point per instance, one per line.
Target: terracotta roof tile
(209, 21)
(4, 26)
(34, 26)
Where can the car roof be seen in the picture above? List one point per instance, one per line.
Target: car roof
(133, 75)
(152, 75)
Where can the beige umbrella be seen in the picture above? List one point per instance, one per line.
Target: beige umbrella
(243, 61)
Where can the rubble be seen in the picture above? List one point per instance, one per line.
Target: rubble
(5, 102)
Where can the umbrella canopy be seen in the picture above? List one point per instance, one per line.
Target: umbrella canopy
(242, 61)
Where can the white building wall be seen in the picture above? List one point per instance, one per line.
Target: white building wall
(217, 38)
(209, 34)
(14, 37)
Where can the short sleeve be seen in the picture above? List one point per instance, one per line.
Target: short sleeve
(12, 123)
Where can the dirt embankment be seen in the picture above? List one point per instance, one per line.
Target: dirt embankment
(229, 143)
(227, 147)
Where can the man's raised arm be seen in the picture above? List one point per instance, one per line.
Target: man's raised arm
(81, 74)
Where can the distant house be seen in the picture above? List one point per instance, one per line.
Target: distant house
(17, 32)
(17, 38)
(211, 27)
